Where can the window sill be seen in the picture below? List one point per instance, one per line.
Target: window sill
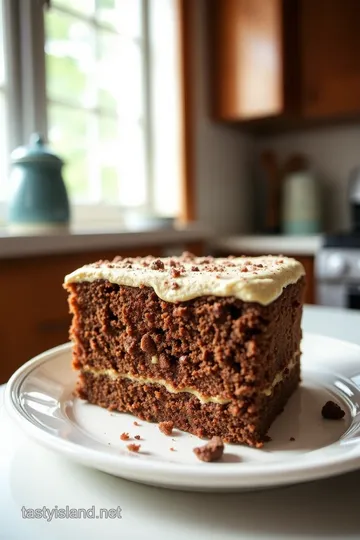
(80, 240)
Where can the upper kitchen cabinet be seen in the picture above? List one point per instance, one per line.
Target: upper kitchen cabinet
(247, 55)
(330, 44)
(286, 59)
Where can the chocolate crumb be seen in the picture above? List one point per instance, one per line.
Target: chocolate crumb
(292, 439)
(332, 411)
(134, 447)
(124, 437)
(166, 427)
(147, 344)
(157, 265)
(212, 451)
(137, 424)
(175, 273)
(181, 312)
(172, 449)
(137, 437)
(175, 286)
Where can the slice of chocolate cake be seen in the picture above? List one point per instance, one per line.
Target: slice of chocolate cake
(212, 345)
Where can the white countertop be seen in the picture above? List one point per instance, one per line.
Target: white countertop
(80, 240)
(31, 476)
(270, 245)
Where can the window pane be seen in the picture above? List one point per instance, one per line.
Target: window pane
(123, 15)
(86, 7)
(4, 159)
(120, 76)
(109, 159)
(70, 59)
(2, 63)
(132, 165)
(68, 131)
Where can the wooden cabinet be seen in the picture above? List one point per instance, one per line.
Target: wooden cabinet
(34, 312)
(330, 43)
(308, 263)
(247, 58)
(284, 59)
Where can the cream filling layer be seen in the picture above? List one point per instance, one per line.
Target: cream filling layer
(114, 375)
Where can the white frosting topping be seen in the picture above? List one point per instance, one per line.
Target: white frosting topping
(177, 279)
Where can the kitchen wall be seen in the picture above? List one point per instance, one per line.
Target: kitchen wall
(223, 153)
(333, 152)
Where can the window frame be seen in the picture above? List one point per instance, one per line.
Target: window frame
(25, 66)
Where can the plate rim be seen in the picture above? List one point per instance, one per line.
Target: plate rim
(214, 475)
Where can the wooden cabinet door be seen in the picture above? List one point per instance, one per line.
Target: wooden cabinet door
(330, 45)
(285, 59)
(246, 58)
(308, 263)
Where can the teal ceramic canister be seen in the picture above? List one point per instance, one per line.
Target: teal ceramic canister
(38, 201)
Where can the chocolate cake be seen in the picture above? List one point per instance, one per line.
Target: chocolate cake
(210, 344)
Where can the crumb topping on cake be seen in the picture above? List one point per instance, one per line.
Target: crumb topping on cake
(178, 279)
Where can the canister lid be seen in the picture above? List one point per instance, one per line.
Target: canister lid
(37, 151)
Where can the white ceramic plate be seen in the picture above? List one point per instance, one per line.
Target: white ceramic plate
(39, 397)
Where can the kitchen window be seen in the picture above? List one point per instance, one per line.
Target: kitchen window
(3, 110)
(102, 79)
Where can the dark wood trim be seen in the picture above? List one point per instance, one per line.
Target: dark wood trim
(186, 12)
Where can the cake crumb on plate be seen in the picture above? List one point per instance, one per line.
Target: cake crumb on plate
(332, 411)
(133, 447)
(124, 436)
(211, 451)
(166, 427)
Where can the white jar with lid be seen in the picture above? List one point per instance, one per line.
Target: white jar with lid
(301, 213)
